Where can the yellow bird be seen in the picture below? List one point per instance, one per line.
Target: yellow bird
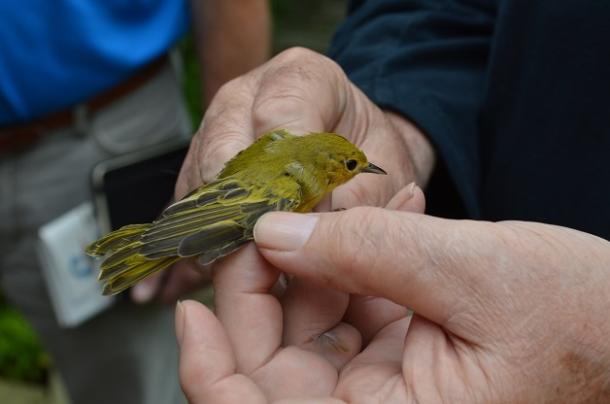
(279, 172)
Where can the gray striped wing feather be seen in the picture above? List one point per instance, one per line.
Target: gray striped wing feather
(210, 223)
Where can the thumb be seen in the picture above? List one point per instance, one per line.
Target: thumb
(421, 262)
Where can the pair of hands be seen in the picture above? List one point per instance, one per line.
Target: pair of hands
(506, 312)
(512, 312)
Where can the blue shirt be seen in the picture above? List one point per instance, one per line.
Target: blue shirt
(54, 54)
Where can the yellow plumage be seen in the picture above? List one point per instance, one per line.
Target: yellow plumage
(279, 172)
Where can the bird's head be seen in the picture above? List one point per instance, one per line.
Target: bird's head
(339, 159)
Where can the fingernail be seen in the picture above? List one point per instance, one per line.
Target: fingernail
(284, 231)
(180, 316)
(400, 201)
(143, 292)
(411, 190)
(331, 339)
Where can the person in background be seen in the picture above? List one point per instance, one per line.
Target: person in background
(81, 82)
(499, 109)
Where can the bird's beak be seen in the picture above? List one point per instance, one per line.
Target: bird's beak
(373, 169)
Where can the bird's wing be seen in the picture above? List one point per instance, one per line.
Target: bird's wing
(257, 153)
(214, 221)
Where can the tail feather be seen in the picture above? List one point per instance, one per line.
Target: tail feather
(124, 266)
(135, 273)
(117, 239)
(120, 261)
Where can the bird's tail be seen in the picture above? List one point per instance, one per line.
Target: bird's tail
(124, 266)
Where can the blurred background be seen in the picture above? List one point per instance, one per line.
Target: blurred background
(26, 370)
(310, 24)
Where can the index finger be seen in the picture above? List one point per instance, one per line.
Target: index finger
(251, 315)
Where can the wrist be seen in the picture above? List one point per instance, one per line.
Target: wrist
(420, 149)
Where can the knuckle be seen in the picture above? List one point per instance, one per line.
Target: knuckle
(231, 87)
(295, 85)
(296, 53)
(306, 65)
(299, 56)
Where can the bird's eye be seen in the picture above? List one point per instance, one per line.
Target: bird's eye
(351, 164)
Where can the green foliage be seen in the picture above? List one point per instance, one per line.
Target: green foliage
(305, 23)
(192, 80)
(21, 354)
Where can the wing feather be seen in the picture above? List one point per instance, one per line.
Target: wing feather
(216, 227)
(212, 237)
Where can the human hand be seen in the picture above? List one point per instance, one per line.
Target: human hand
(506, 312)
